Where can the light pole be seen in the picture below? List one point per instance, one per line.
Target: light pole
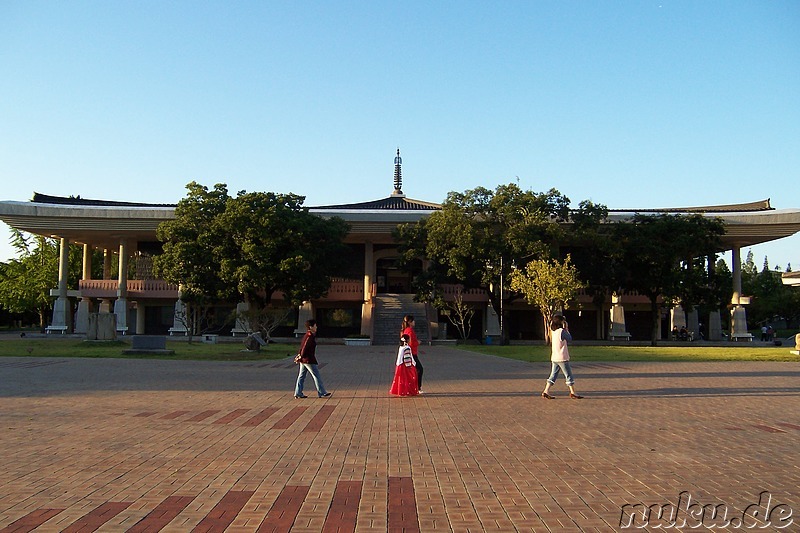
(502, 330)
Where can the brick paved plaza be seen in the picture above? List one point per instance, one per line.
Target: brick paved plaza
(135, 445)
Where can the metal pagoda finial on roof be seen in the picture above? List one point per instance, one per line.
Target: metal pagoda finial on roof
(398, 175)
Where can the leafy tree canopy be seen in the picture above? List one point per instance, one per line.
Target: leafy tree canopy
(548, 285)
(254, 244)
(660, 253)
(26, 281)
(479, 230)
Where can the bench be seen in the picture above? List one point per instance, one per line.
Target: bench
(677, 337)
(742, 337)
(53, 329)
(624, 336)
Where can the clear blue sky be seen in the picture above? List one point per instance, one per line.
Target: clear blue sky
(631, 104)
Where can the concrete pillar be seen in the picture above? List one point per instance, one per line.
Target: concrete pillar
(738, 313)
(714, 326)
(736, 271)
(369, 281)
(141, 318)
(85, 306)
(62, 310)
(105, 303)
(121, 304)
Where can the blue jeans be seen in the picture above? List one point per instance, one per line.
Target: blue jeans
(305, 368)
(564, 367)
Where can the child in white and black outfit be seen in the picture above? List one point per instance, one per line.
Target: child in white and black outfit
(405, 372)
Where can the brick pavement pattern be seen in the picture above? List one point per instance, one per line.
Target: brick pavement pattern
(137, 445)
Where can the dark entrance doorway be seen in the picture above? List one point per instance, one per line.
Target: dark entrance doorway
(391, 279)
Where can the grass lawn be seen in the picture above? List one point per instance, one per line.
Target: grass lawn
(199, 351)
(686, 353)
(196, 351)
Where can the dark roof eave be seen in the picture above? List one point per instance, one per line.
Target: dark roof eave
(39, 198)
(393, 203)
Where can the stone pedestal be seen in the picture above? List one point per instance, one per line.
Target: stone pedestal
(677, 318)
(82, 316)
(739, 324)
(306, 312)
(714, 326)
(617, 316)
(492, 322)
(179, 319)
(62, 314)
(102, 327)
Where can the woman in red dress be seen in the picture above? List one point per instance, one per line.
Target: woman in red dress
(405, 372)
(413, 343)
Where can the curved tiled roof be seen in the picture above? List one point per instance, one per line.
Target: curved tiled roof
(78, 201)
(761, 205)
(398, 203)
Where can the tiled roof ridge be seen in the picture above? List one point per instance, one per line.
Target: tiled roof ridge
(77, 200)
(760, 205)
(408, 204)
(392, 202)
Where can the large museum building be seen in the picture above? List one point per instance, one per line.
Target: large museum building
(370, 299)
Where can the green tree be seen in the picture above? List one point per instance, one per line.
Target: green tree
(659, 256)
(26, 281)
(189, 258)
(478, 234)
(548, 285)
(254, 245)
(595, 251)
(274, 244)
(768, 294)
(749, 274)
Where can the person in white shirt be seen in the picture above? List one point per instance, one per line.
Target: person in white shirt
(559, 358)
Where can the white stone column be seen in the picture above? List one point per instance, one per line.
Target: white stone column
(62, 310)
(121, 304)
(85, 305)
(738, 313)
(141, 315)
(369, 281)
(105, 303)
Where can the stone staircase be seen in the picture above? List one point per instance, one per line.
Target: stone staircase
(388, 318)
